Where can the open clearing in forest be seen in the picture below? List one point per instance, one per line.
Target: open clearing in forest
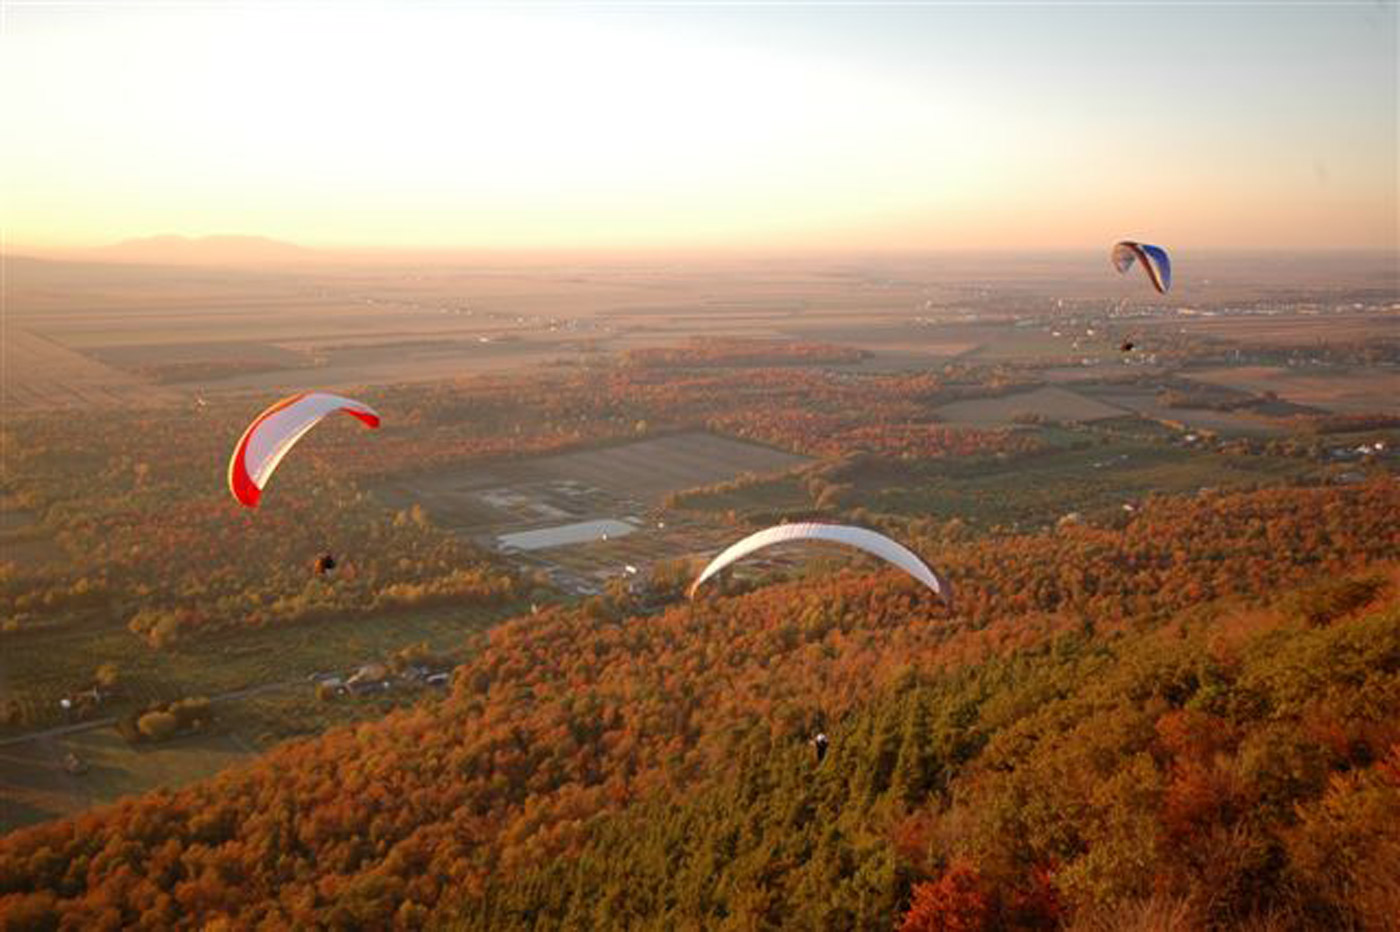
(35, 787)
(1051, 403)
(24, 543)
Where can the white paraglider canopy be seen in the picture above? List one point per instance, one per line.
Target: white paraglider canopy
(860, 538)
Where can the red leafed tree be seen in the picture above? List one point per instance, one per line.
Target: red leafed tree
(955, 902)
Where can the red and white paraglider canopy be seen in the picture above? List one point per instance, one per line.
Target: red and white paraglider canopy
(274, 432)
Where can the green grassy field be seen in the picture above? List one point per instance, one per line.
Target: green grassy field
(35, 787)
(1084, 478)
(1086, 470)
(266, 719)
(41, 666)
(38, 668)
(23, 542)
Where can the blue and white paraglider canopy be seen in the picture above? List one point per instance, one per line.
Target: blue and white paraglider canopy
(1154, 259)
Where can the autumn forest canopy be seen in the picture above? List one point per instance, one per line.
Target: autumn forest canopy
(1227, 747)
(1150, 699)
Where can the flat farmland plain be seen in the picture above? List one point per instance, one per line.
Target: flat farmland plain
(1345, 390)
(38, 374)
(1051, 402)
(604, 482)
(163, 332)
(624, 482)
(1286, 329)
(649, 469)
(1146, 403)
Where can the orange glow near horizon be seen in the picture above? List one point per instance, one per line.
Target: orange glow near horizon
(430, 127)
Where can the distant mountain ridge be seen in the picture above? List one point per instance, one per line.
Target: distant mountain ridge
(217, 249)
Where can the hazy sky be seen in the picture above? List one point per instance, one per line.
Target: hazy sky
(780, 125)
